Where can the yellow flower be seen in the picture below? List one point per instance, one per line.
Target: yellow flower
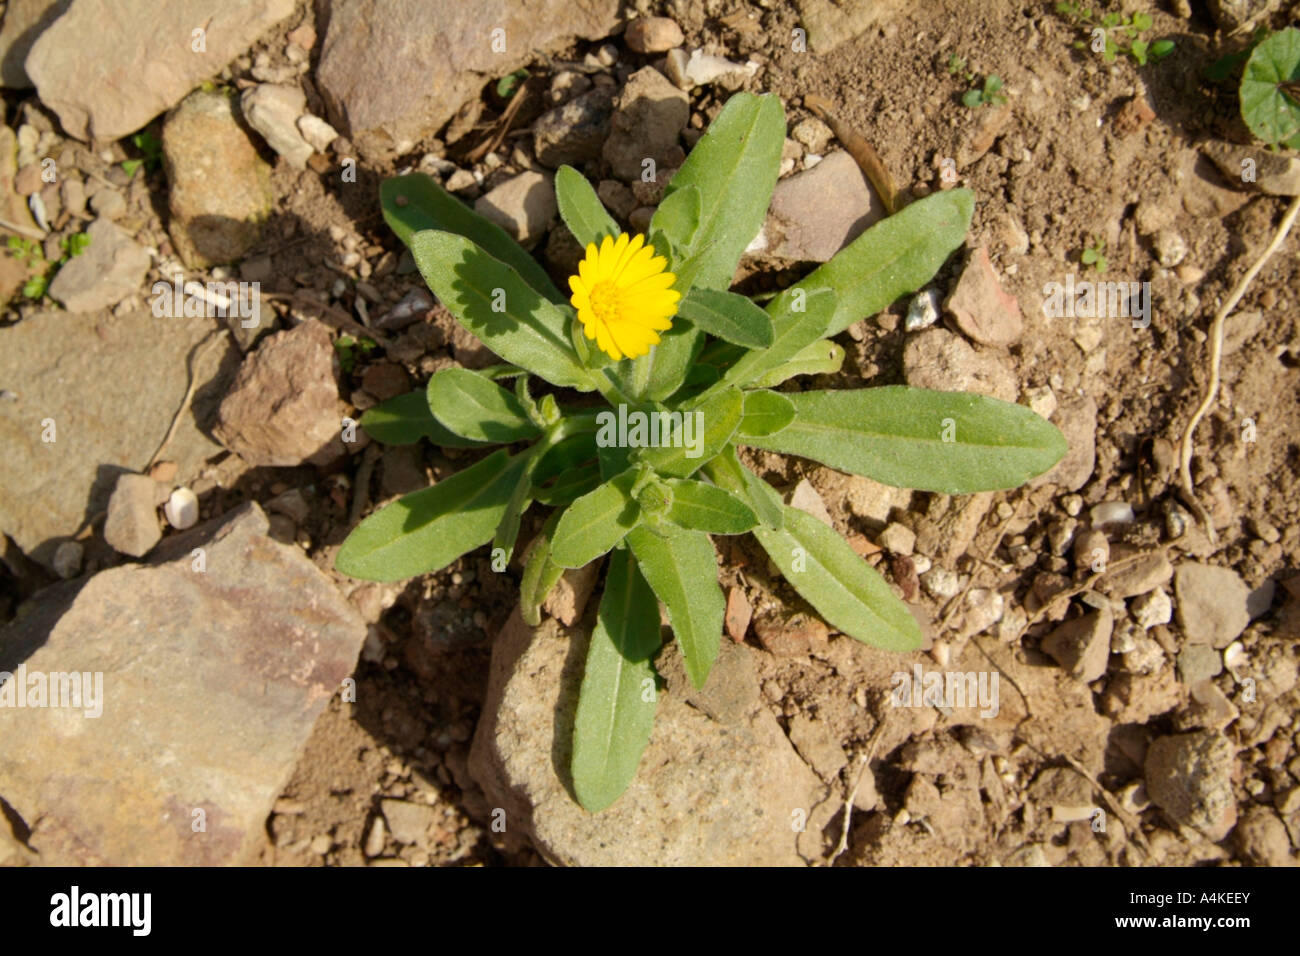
(623, 296)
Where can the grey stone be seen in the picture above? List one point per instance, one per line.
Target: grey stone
(523, 205)
(220, 188)
(940, 360)
(273, 110)
(107, 67)
(394, 71)
(131, 527)
(283, 408)
(574, 132)
(651, 115)
(100, 418)
(108, 270)
(24, 21)
(1198, 662)
(1189, 776)
(1211, 603)
(705, 794)
(817, 212)
(212, 680)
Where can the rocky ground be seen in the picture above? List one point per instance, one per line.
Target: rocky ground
(174, 487)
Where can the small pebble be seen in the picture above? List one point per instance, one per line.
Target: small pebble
(182, 509)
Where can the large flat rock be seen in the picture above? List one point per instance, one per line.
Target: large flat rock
(211, 681)
(707, 793)
(107, 67)
(394, 71)
(111, 385)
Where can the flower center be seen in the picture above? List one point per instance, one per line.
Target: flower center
(604, 300)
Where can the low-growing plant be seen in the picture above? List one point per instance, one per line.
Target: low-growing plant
(1094, 254)
(990, 93)
(32, 255)
(658, 375)
(1116, 33)
(1269, 92)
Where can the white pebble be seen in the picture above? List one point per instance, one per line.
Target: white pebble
(1112, 512)
(182, 509)
(923, 311)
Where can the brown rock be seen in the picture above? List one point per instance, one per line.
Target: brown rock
(220, 188)
(706, 793)
(283, 407)
(739, 614)
(982, 309)
(1211, 603)
(448, 51)
(131, 527)
(108, 67)
(575, 132)
(212, 676)
(653, 34)
(817, 212)
(793, 636)
(1082, 646)
(651, 114)
(568, 599)
(937, 359)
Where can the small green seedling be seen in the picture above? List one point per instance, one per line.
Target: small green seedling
(1113, 34)
(957, 67)
(507, 85)
(32, 255)
(349, 349)
(655, 375)
(990, 93)
(1094, 255)
(151, 147)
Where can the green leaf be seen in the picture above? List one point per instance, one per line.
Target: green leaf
(1161, 49)
(799, 318)
(569, 486)
(415, 202)
(702, 507)
(597, 521)
(846, 591)
(766, 413)
(493, 302)
(477, 408)
(406, 419)
(670, 360)
(565, 455)
(581, 209)
(734, 166)
(540, 574)
(683, 572)
(677, 219)
(823, 357)
(429, 529)
(616, 703)
(1272, 115)
(972, 98)
(726, 471)
(896, 256)
(705, 430)
(1142, 21)
(950, 442)
(730, 317)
